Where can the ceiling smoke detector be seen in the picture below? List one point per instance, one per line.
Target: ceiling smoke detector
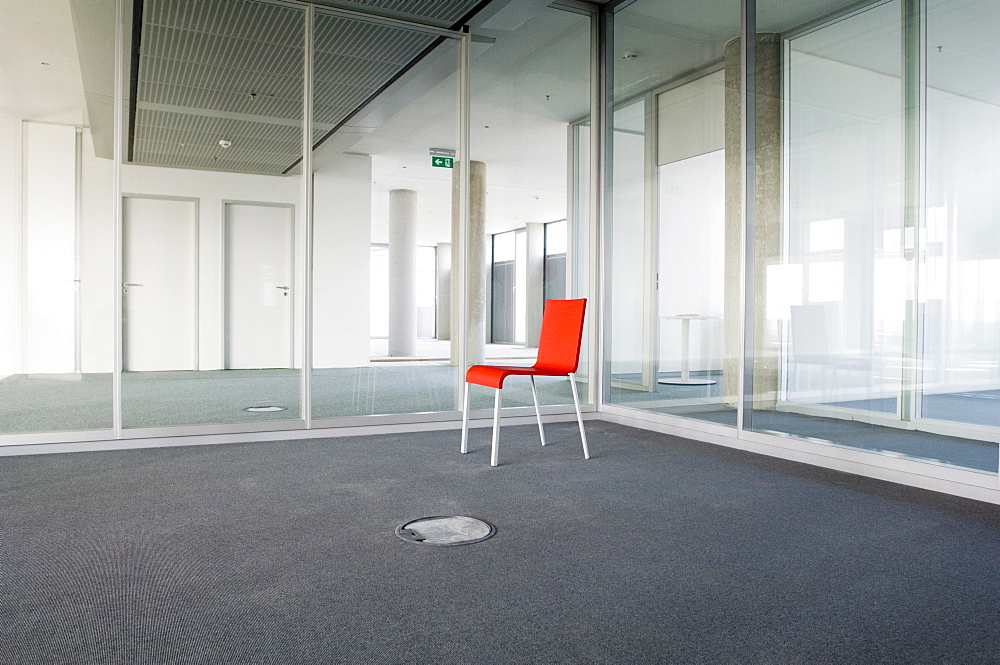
(225, 143)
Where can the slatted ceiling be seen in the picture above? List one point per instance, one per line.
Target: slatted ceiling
(200, 60)
(367, 40)
(202, 47)
(262, 22)
(266, 104)
(444, 11)
(176, 139)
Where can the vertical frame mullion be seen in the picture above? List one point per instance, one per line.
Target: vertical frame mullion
(307, 207)
(914, 123)
(748, 146)
(602, 168)
(116, 378)
(460, 254)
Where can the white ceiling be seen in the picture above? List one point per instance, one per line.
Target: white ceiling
(32, 33)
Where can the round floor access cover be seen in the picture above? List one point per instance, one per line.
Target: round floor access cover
(444, 531)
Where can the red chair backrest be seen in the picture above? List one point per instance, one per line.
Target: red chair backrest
(562, 333)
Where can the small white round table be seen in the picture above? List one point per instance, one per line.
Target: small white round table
(685, 377)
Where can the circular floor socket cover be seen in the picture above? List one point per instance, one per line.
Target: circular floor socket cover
(258, 409)
(444, 531)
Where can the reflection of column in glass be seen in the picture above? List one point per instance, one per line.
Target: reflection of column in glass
(477, 266)
(767, 217)
(536, 284)
(402, 272)
(443, 308)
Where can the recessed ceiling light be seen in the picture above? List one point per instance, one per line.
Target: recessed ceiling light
(225, 143)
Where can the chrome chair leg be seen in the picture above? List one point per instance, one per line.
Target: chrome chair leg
(538, 413)
(495, 456)
(465, 422)
(579, 416)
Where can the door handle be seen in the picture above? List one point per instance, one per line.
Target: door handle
(125, 286)
(283, 288)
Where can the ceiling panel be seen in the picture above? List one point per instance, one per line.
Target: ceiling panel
(233, 69)
(441, 12)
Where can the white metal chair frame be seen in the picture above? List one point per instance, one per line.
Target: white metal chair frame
(494, 456)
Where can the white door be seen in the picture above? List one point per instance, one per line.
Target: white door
(161, 284)
(258, 286)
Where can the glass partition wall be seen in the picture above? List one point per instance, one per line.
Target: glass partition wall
(213, 227)
(525, 214)
(57, 221)
(175, 272)
(385, 202)
(675, 210)
(278, 215)
(873, 256)
(845, 296)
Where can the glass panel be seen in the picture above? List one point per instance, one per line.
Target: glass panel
(960, 235)
(57, 220)
(212, 223)
(385, 196)
(675, 227)
(840, 349)
(525, 114)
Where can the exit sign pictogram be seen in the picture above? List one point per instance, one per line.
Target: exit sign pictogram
(443, 162)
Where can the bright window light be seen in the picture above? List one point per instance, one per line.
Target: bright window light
(826, 281)
(555, 238)
(503, 247)
(826, 235)
(937, 224)
(784, 289)
(892, 242)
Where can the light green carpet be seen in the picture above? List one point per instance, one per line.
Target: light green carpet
(156, 399)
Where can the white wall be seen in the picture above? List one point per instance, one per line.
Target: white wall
(49, 242)
(10, 248)
(212, 189)
(97, 259)
(341, 273)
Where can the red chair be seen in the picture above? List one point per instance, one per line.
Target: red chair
(558, 355)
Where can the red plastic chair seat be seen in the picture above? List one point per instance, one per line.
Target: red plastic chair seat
(492, 376)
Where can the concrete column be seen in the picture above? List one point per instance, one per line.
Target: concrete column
(768, 222)
(443, 272)
(477, 264)
(402, 272)
(535, 242)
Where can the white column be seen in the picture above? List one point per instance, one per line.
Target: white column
(477, 264)
(443, 309)
(402, 272)
(767, 218)
(535, 283)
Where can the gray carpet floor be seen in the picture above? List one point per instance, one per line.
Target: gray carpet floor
(657, 550)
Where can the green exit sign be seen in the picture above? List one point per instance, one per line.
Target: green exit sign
(443, 162)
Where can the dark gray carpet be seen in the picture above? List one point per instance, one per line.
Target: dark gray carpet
(657, 550)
